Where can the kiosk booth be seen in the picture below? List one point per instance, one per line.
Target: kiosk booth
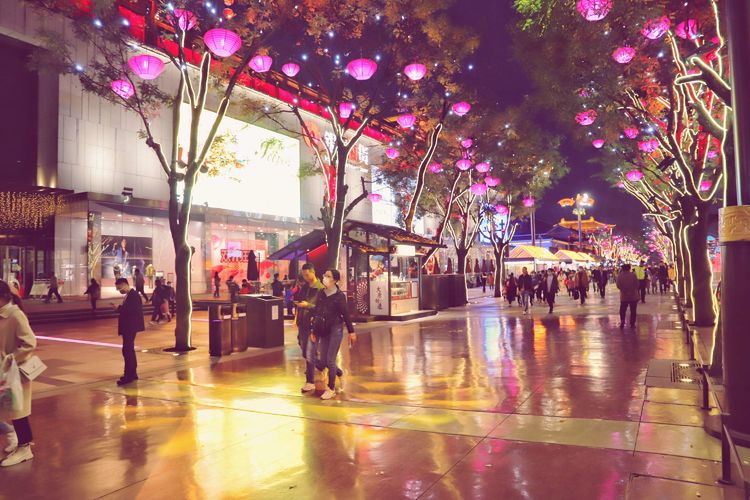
(530, 257)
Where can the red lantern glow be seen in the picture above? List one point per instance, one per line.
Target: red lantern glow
(463, 164)
(594, 10)
(435, 168)
(374, 197)
(290, 69)
(623, 55)
(221, 42)
(687, 29)
(586, 117)
(655, 28)
(634, 175)
(260, 63)
(362, 69)
(501, 209)
(415, 71)
(479, 189)
(392, 153)
(491, 181)
(228, 13)
(597, 143)
(467, 143)
(185, 19)
(406, 121)
(482, 167)
(630, 132)
(123, 88)
(529, 201)
(146, 66)
(461, 108)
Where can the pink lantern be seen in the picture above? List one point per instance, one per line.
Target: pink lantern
(467, 143)
(290, 69)
(463, 164)
(648, 146)
(687, 29)
(597, 143)
(630, 132)
(221, 42)
(123, 88)
(482, 167)
(655, 28)
(586, 117)
(634, 175)
(345, 109)
(362, 69)
(479, 188)
(185, 19)
(260, 63)
(415, 71)
(620, 184)
(406, 121)
(461, 108)
(528, 201)
(623, 55)
(374, 197)
(392, 153)
(705, 185)
(594, 10)
(146, 66)
(491, 181)
(501, 209)
(712, 154)
(435, 168)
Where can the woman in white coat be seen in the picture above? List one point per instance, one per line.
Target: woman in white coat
(16, 338)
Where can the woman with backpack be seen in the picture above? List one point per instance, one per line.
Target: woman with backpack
(329, 317)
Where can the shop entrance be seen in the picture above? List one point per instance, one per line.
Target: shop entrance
(19, 265)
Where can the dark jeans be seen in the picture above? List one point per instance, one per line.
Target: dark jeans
(93, 303)
(53, 291)
(139, 289)
(309, 353)
(602, 288)
(128, 355)
(633, 305)
(23, 431)
(642, 287)
(582, 292)
(329, 349)
(216, 291)
(551, 301)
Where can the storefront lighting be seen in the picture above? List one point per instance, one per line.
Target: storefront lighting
(405, 251)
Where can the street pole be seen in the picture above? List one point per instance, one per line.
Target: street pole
(533, 229)
(580, 245)
(734, 231)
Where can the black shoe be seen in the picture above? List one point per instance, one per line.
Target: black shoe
(339, 373)
(124, 381)
(622, 326)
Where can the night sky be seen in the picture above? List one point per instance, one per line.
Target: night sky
(500, 78)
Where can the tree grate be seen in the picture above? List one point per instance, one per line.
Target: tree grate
(685, 374)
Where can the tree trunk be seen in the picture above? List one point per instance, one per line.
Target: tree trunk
(335, 234)
(704, 309)
(183, 297)
(461, 254)
(499, 268)
(421, 172)
(687, 277)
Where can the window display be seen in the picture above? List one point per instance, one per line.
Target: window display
(404, 284)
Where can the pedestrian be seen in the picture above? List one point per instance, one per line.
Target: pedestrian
(663, 278)
(640, 274)
(129, 323)
(484, 283)
(671, 276)
(53, 290)
(511, 289)
(94, 291)
(582, 283)
(171, 301)
(150, 273)
(551, 288)
(288, 295)
(595, 278)
(603, 280)
(245, 288)
(234, 289)
(277, 287)
(629, 286)
(158, 298)
(332, 313)
(305, 300)
(140, 282)
(217, 284)
(491, 281)
(17, 339)
(526, 288)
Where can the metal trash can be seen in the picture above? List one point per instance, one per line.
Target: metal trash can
(219, 330)
(265, 320)
(239, 328)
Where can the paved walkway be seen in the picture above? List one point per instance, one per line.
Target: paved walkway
(477, 402)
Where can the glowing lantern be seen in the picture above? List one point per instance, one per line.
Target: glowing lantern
(620, 184)
(634, 175)
(123, 88)
(501, 209)
(483, 167)
(415, 71)
(648, 146)
(146, 66)
(687, 29)
(228, 13)
(362, 69)
(406, 121)
(463, 164)
(491, 181)
(461, 108)
(594, 10)
(435, 168)
(655, 28)
(290, 69)
(705, 185)
(597, 143)
(260, 63)
(712, 154)
(467, 143)
(528, 201)
(392, 153)
(345, 109)
(479, 188)
(630, 132)
(221, 42)
(623, 55)
(374, 197)
(185, 19)
(586, 117)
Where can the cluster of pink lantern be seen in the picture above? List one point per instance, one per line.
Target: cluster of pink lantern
(479, 188)
(345, 110)
(146, 66)
(623, 55)
(463, 164)
(586, 117)
(687, 29)
(492, 181)
(655, 28)
(594, 10)
(461, 108)
(392, 153)
(221, 42)
(415, 71)
(260, 63)
(123, 88)
(362, 69)
(598, 143)
(435, 168)
(649, 145)
(631, 132)
(501, 209)
(634, 175)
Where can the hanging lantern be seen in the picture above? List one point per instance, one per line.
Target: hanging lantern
(479, 188)
(123, 88)
(290, 69)
(594, 10)
(228, 2)
(392, 153)
(483, 167)
(597, 143)
(467, 143)
(631, 132)
(260, 63)
(345, 109)
(623, 55)
(501, 209)
(146, 66)
(655, 28)
(415, 71)
(634, 175)
(228, 13)
(491, 181)
(648, 146)
(435, 168)
(221, 42)
(406, 121)
(362, 69)
(374, 197)
(705, 185)
(463, 165)
(586, 117)
(461, 108)
(620, 184)
(712, 154)
(687, 29)
(529, 201)
(185, 19)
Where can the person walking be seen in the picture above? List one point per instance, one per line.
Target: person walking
(595, 279)
(53, 290)
(640, 274)
(16, 338)
(671, 276)
(234, 289)
(581, 281)
(526, 288)
(603, 277)
(511, 289)
(332, 312)
(129, 323)
(491, 281)
(663, 278)
(551, 287)
(306, 298)
(277, 287)
(217, 284)
(140, 283)
(94, 291)
(629, 286)
(158, 298)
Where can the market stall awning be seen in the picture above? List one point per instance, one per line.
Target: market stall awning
(572, 256)
(301, 246)
(528, 252)
(395, 234)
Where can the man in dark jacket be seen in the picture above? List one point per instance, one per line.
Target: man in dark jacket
(277, 287)
(551, 286)
(526, 288)
(129, 323)
(603, 279)
(305, 301)
(629, 286)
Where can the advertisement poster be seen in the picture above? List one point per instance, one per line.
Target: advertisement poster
(120, 255)
(379, 296)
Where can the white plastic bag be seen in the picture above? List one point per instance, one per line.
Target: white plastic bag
(11, 390)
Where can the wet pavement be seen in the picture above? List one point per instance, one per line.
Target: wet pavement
(477, 402)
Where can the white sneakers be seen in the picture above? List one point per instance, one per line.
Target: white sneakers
(20, 454)
(308, 387)
(328, 394)
(12, 442)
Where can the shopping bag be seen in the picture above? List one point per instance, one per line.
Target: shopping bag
(575, 294)
(32, 367)
(11, 390)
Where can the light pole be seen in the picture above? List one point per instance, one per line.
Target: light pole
(581, 203)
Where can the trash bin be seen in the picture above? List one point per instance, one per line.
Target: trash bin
(239, 328)
(265, 320)
(219, 330)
